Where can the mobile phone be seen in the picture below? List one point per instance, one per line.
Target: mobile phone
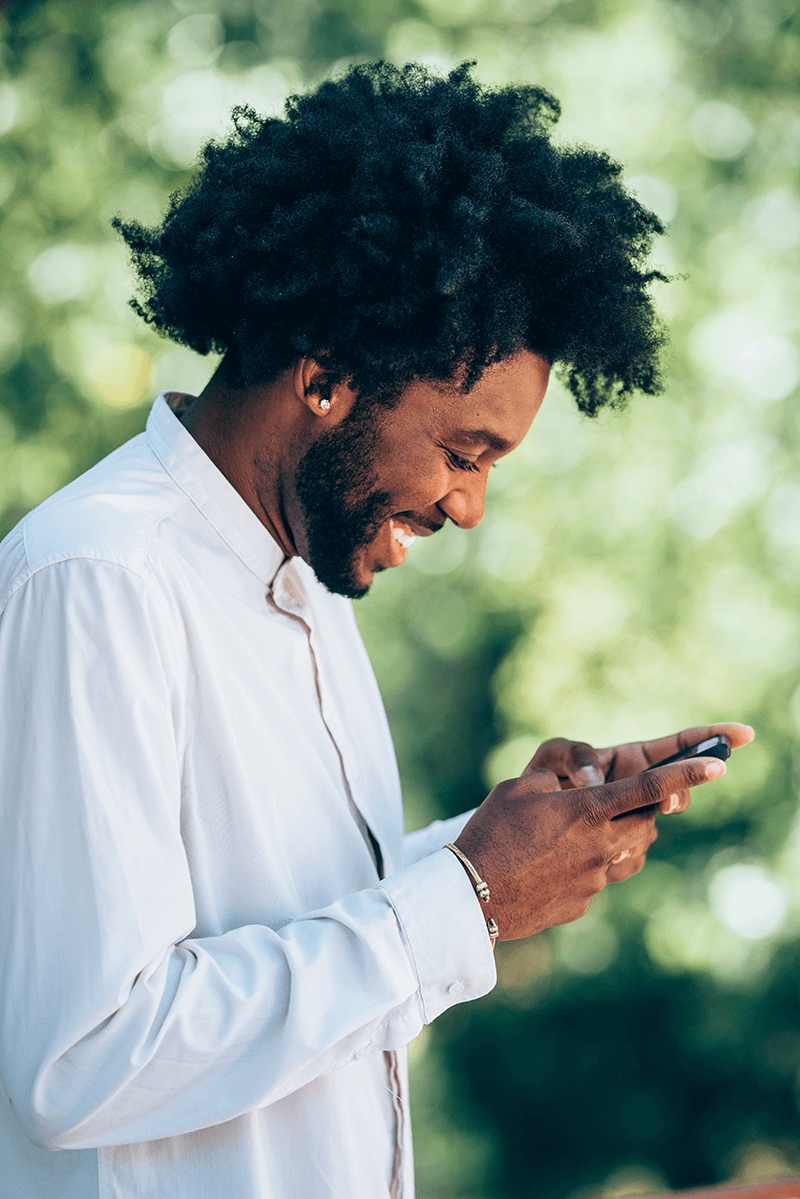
(712, 747)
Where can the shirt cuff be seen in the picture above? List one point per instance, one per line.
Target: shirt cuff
(445, 928)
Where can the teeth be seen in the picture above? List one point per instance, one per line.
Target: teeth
(405, 539)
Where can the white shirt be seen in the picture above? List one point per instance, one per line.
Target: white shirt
(206, 990)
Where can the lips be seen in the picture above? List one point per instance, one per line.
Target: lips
(402, 532)
(401, 536)
(419, 527)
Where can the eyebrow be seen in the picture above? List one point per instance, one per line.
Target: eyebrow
(483, 437)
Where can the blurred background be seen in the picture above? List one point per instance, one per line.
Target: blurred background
(633, 575)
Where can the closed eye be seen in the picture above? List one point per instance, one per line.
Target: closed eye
(456, 462)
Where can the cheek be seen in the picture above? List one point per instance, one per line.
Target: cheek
(418, 484)
(430, 490)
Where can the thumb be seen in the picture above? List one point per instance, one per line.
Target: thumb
(651, 786)
(576, 761)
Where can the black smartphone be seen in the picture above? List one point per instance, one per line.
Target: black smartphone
(712, 747)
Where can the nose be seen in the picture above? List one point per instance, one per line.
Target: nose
(464, 504)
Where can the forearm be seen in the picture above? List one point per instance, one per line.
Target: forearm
(219, 1026)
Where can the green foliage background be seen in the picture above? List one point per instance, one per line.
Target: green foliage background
(633, 575)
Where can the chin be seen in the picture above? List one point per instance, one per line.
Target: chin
(350, 579)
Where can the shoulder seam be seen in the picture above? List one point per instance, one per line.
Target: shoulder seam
(57, 560)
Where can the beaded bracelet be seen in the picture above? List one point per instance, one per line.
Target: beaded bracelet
(481, 889)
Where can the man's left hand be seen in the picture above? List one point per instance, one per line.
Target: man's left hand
(577, 764)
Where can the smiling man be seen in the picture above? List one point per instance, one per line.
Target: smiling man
(348, 485)
(217, 942)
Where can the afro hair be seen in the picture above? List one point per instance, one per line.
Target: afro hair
(398, 225)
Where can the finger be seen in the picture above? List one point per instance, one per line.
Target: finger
(630, 861)
(621, 761)
(664, 747)
(631, 832)
(578, 762)
(618, 872)
(583, 765)
(678, 802)
(645, 789)
(534, 779)
(574, 761)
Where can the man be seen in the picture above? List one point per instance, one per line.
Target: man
(216, 944)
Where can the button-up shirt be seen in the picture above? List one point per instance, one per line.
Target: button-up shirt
(207, 987)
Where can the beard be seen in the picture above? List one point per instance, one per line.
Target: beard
(336, 486)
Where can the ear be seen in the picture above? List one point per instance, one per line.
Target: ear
(313, 388)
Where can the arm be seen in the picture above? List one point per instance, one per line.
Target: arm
(116, 1024)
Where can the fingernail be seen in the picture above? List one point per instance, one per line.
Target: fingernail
(674, 803)
(715, 768)
(589, 776)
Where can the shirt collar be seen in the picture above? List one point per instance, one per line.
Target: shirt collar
(210, 492)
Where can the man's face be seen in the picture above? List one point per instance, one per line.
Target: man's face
(379, 478)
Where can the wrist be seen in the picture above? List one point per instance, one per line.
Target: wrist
(481, 888)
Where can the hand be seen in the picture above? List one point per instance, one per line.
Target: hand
(544, 851)
(580, 765)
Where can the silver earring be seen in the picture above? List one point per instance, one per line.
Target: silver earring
(324, 404)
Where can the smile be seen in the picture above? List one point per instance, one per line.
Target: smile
(403, 534)
(415, 528)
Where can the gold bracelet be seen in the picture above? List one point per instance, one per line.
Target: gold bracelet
(481, 888)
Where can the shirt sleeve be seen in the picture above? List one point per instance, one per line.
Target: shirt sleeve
(425, 841)
(116, 1025)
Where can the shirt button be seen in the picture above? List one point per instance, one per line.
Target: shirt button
(456, 988)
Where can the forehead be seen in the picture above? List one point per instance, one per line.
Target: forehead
(496, 413)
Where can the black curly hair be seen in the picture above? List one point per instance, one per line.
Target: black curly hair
(402, 225)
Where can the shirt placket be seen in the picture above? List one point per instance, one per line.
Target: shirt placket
(288, 596)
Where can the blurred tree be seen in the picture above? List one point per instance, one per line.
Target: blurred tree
(632, 576)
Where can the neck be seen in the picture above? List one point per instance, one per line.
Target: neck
(245, 433)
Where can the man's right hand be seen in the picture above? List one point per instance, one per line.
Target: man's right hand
(544, 851)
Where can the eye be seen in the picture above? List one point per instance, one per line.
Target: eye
(456, 462)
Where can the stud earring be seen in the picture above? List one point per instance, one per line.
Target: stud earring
(324, 404)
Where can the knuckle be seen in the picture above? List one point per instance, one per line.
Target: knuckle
(535, 782)
(588, 808)
(582, 754)
(542, 778)
(650, 787)
(499, 792)
(554, 746)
